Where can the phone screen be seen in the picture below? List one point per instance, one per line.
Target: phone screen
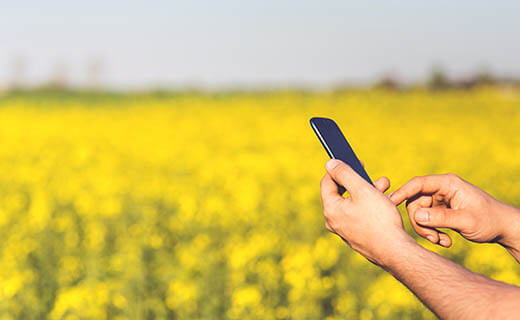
(336, 145)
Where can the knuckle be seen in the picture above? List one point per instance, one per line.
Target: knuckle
(425, 202)
(329, 208)
(414, 224)
(417, 180)
(423, 232)
(328, 211)
(326, 215)
(413, 205)
(452, 176)
(323, 181)
(328, 227)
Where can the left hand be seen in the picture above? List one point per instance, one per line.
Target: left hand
(367, 220)
(448, 201)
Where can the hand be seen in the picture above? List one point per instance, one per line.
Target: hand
(447, 201)
(367, 220)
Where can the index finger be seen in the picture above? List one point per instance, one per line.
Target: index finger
(420, 185)
(329, 191)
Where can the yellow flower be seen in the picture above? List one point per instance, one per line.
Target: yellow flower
(207, 205)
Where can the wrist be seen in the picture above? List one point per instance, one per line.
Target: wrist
(510, 235)
(398, 252)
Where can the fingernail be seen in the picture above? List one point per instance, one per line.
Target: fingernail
(422, 215)
(432, 240)
(331, 164)
(444, 243)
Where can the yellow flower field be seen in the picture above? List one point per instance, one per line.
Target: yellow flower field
(194, 206)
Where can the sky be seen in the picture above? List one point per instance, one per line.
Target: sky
(147, 44)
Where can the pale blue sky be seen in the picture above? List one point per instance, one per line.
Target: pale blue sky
(258, 43)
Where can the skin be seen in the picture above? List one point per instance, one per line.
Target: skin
(369, 222)
(448, 201)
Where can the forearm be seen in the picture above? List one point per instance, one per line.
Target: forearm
(449, 290)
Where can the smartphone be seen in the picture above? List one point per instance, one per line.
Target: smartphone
(336, 145)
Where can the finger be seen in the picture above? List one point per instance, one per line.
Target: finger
(412, 206)
(345, 176)
(444, 218)
(433, 235)
(444, 240)
(427, 184)
(382, 184)
(329, 191)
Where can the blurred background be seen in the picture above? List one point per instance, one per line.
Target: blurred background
(127, 45)
(156, 160)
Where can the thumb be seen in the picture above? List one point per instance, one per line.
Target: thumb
(344, 175)
(443, 218)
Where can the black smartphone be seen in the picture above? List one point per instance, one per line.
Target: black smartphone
(336, 145)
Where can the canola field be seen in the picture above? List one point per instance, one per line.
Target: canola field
(206, 206)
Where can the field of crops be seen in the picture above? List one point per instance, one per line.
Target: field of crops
(195, 206)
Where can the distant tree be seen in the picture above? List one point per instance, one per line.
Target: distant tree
(388, 82)
(484, 77)
(438, 79)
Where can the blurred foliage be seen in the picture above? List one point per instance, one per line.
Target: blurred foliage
(438, 79)
(206, 206)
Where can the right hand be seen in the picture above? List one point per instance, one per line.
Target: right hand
(367, 220)
(447, 201)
